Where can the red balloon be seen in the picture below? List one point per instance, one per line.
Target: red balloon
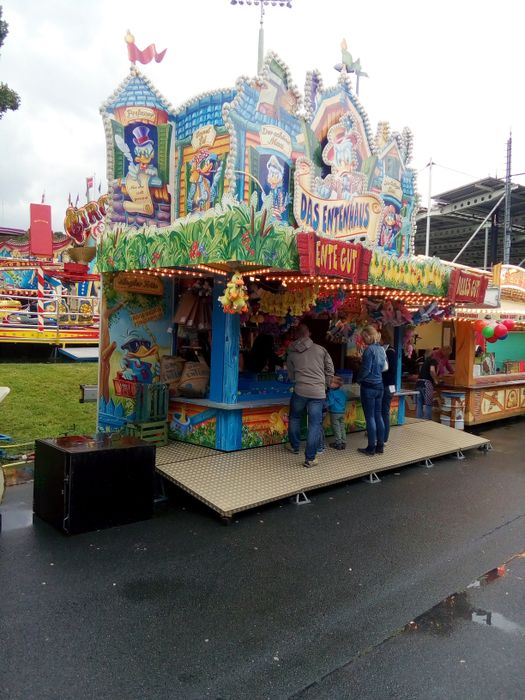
(500, 331)
(492, 339)
(509, 323)
(480, 324)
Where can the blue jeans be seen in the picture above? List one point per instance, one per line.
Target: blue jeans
(371, 400)
(314, 410)
(322, 444)
(425, 399)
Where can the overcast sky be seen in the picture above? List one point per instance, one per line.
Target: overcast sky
(452, 71)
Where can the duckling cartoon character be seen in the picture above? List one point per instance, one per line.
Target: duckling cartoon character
(274, 179)
(205, 175)
(390, 227)
(279, 421)
(144, 154)
(141, 166)
(141, 361)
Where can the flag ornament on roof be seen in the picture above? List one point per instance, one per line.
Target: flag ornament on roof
(145, 56)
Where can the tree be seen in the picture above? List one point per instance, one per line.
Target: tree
(8, 98)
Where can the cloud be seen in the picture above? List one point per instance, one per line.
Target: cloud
(426, 72)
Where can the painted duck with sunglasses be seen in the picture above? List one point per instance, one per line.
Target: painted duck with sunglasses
(141, 361)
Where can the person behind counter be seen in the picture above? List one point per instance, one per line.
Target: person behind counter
(370, 378)
(262, 355)
(442, 355)
(428, 379)
(389, 378)
(311, 370)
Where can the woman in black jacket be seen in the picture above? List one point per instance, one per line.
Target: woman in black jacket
(389, 377)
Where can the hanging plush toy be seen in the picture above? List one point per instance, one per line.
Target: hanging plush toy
(408, 342)
(424, 313)
(235, 297)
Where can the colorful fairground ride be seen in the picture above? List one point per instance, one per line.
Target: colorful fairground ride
(48, 282)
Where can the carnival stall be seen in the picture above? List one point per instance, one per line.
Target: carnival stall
(490, 352)
(231, 219)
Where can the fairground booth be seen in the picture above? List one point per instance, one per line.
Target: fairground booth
(231, 219)
(490, 350)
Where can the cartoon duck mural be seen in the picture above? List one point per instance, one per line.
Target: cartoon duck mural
(205, 176)
(141, 359)
(141, 163)
(144, 154)
(279, 422)
(391, 225)
(274, 178)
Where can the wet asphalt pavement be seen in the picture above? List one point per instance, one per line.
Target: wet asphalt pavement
(364, 593)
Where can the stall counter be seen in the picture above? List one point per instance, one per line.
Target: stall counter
(258, 422)
(486, 398)
(490, 398)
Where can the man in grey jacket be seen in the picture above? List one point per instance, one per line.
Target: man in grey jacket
(311, 369)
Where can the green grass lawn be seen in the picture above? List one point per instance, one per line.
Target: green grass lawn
(44, 399)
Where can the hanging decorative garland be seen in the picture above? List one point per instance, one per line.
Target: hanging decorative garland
(295, 303)
(235, 297)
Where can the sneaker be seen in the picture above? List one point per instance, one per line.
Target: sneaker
(379, 449)
(320, 451)
(311, 462)
(288, 447)
(342, 446)
(366, 451)
(335, 445)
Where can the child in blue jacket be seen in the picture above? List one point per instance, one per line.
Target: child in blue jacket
(336, 399)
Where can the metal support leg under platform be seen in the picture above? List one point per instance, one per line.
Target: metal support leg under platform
(160, 489)
(372, 478)
(428, 463)
(459, 455)
(487, 447)
(301, 499)
(233, 482)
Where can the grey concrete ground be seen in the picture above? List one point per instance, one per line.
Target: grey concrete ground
(289, 601)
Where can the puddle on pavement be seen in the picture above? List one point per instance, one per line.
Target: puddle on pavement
(443, 617)
(16, 515)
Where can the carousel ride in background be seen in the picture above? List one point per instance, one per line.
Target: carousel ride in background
(48, 285)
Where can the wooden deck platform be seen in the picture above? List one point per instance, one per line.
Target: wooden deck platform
(230, 482)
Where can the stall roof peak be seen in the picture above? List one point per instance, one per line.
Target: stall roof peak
(137, 90)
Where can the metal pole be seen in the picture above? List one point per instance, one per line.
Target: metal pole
(507, 230)
(486, 253)
(261, 41)
(479, 227)
(427, 239)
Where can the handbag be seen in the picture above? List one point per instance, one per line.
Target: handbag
(385, 363)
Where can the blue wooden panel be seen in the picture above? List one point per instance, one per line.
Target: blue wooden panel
(226, 332)
(217, 345)
(229, 430)
(399, 332)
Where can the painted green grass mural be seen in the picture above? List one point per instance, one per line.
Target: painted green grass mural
(231, 231)
(409, 273)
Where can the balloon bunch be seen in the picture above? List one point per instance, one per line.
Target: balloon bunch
(491, 331)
